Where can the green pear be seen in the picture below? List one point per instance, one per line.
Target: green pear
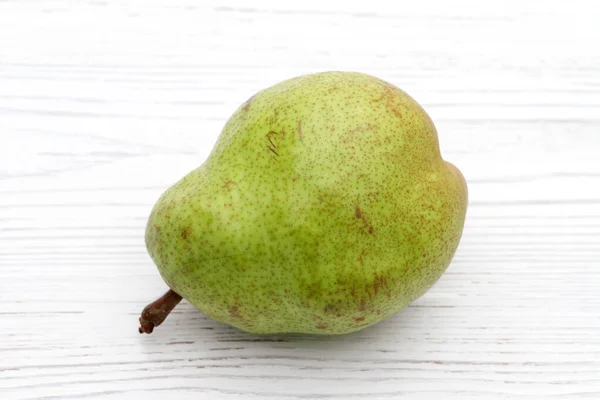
(324, 208)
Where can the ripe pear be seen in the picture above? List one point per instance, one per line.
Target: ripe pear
(324, 208)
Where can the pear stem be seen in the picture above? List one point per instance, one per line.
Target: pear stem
(155, 313)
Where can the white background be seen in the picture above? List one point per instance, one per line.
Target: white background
(102, 106)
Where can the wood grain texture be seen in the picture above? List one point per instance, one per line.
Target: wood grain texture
(103, 105)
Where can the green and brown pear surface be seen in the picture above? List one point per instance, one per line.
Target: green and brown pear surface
(325, 207)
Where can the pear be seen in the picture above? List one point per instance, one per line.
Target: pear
(325, 207)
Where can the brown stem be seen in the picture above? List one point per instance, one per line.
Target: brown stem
(156, 312)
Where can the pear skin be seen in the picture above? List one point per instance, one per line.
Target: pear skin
(324, 208)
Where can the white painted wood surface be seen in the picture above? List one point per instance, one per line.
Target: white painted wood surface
(103, 105)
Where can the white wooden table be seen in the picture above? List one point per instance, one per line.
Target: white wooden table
(102, 106)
